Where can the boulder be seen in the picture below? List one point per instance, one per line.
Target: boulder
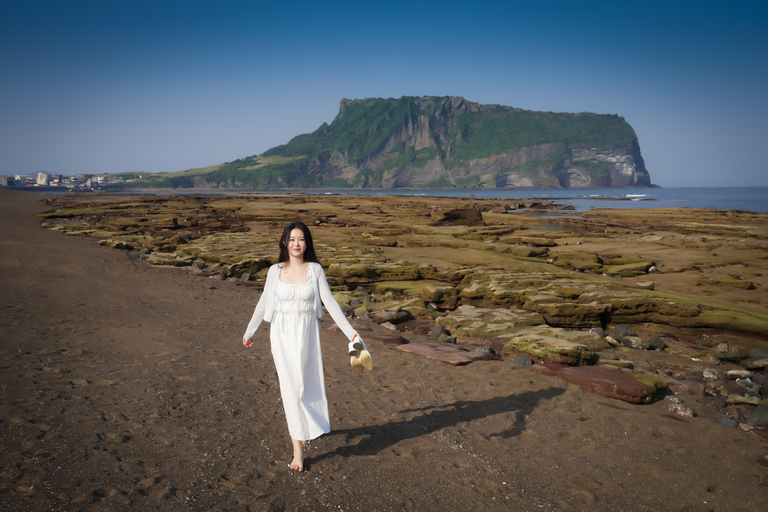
(393, 317)
(712, 374)
(248, 266)
(727, 352)
(750, 386)
(621, 331)
(474, 291)
(759, 417)
(438, 331)
(657, 343)
(462, 217)
(762, 381)
(635, 342)
(444, 296)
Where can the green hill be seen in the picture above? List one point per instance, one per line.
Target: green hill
(439, 142)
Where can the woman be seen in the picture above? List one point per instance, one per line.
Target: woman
(294, 294)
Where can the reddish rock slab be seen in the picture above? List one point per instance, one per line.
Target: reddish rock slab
(392, 339)
(612, 383)
(446, 353)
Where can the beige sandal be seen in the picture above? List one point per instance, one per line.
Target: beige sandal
(365, 360)
(360, 357)
(356, 364)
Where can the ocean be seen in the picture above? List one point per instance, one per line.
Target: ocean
(753, 199)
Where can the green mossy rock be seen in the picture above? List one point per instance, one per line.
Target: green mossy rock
(573, 314)
(509, 297)
(474, 291)
(617, 363)
(248, 266)
(630, 269)
(538, 242)
(369, 239)
(445, 296)
(584, 266)
(547, 348)
(578, 256)
(469, 323)
(528, 252)
(738, 284)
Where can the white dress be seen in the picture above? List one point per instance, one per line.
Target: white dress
(293, 311)
(295, 340)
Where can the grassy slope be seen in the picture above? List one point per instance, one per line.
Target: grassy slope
(363, 128)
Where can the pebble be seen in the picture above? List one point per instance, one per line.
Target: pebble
(741, 399)
(739, 374)
(750, 386)
(711, 374)
(755, 364)
(759, 417)
(522, 360)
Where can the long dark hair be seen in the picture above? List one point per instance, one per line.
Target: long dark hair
(309, 252)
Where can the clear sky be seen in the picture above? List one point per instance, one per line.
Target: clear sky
(114, 86)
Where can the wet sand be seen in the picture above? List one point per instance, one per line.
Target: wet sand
(126, 387)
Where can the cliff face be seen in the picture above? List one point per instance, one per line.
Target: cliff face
(444, 142)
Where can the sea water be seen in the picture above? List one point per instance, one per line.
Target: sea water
(753, 199)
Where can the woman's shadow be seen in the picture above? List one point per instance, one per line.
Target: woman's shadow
(434, 418)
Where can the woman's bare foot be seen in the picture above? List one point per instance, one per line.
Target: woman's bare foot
(297, 464)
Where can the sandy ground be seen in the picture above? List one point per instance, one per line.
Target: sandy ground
(126, 387)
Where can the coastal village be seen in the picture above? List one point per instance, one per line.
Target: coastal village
(53, 182)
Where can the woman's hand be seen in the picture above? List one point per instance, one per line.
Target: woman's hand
(247, 343)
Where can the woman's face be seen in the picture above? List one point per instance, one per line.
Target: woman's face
(296, 243)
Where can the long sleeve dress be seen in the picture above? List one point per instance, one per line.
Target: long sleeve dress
(293, 310)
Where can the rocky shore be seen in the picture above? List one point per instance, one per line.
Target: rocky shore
(649, 323)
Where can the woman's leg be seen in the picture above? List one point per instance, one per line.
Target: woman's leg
(297, 464)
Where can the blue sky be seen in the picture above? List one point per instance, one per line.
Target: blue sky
(114, 86)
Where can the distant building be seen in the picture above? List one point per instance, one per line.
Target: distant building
(81, 178)
(43, 179)
(23, 180)
(7, 181)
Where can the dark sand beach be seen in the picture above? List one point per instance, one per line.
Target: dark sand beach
(125, 386)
